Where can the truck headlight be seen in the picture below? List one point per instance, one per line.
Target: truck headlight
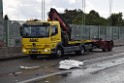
(45, 50)
(24, 50)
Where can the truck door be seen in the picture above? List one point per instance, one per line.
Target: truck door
(55, 36)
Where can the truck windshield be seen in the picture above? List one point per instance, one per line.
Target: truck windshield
(35, 31)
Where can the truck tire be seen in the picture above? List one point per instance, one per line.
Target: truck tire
(81, 52)
(110, 49)
(59, 52)
(110, 46)
(33, 56)
(105, 49)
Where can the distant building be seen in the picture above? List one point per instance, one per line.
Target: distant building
(1, 20)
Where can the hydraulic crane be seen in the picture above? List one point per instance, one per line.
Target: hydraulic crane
(55, 16)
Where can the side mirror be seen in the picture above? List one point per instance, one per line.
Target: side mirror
(55, 32)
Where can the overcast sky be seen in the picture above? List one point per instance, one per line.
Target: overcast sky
(26, 9)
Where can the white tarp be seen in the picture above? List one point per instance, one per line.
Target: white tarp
(68, 64)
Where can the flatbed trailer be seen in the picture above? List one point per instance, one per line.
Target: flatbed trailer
(105, 45)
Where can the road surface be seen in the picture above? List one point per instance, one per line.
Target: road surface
(10, 71)
(97, 73)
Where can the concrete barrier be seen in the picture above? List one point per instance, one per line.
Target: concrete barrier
(10, 52)
(14, 52)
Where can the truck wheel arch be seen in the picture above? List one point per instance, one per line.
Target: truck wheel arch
(59, 45)
(59, 52)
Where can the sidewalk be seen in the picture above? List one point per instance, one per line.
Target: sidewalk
(118, 43)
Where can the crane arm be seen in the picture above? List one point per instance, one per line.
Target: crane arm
(54, 15)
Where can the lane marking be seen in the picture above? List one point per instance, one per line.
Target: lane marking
(91, 68)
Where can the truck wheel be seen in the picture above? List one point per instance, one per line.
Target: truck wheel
(81, 52)
(104, 49)
(59, 52)
(110, 49)
(110, 46)
(33, 56)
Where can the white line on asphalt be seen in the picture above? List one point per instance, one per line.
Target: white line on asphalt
(41, 77)
(103, 65)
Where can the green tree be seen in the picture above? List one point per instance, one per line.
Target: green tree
(116, 19)
(92, 18)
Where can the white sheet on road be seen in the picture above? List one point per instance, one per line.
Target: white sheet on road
(31, 67)
(68, 64)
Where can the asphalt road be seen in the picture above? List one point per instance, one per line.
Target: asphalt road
(101, 72)
(10, 71)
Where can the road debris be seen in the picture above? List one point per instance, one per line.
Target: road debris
(32, 67)
(46, 81)
(68, 64)
(16, 73)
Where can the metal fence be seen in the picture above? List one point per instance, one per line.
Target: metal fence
(12, 36)
(1, 30)
(104, 32)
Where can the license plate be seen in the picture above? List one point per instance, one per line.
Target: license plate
(34, 50)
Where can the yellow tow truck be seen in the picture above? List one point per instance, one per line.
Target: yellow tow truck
(51, 38)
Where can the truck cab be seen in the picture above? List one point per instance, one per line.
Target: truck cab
(50, 38)
(40, 37)
(46, 38)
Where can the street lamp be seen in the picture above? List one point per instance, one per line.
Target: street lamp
(42, 9)
(110, 10)
(83, 10)
(83, 19)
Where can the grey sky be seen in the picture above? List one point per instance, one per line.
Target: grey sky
(26, 9)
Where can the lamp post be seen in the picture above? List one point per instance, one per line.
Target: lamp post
(110, 11)
(83, 11)
(42, 9)
(83, 19)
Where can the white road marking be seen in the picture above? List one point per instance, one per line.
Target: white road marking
(90, 68)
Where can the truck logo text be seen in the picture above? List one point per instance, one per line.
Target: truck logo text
(34, 40)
